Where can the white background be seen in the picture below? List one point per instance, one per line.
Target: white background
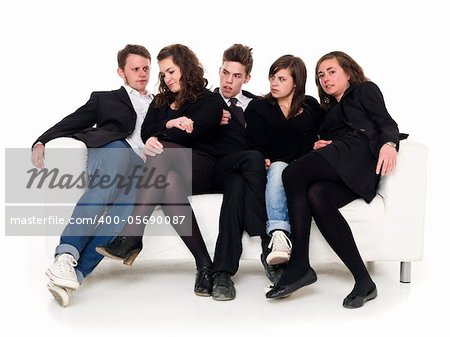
(53, 54)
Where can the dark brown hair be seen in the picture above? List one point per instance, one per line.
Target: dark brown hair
(350, 67)
(192, 81)
(297, 69)
(131, 49)
(239, 53)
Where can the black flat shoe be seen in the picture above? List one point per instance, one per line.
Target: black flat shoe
(203, 282)
(125, 248)
(286, 290)
(353, 301)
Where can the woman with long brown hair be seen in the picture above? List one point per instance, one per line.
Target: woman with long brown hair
(358, 141)
(183, 115)
(282, 126)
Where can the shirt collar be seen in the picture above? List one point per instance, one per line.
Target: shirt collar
(132, 91)
(240, 97)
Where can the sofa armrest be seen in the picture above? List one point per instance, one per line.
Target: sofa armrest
(403, 193)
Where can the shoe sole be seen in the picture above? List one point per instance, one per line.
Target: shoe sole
(275, 258)
(202, 294)
(62, 282)
(223, 299)
(127, 260)
(62, 299)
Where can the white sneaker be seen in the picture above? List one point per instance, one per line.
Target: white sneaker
(62, 272)
(61, 295)
(281, 248)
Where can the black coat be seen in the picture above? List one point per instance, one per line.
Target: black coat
(279, 138)
(206, 113)
(107, 116)
(358, 126)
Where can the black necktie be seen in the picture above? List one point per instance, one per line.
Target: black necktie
(236, 111)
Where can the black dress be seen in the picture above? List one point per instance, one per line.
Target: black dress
(354, 150)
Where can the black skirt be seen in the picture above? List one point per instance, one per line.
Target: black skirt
(352, 159)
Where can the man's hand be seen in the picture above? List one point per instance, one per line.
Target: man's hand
(267, 163)
(226, 116)
(38, 156)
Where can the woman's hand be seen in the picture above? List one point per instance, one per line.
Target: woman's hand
(267, 163)
(153, 147)
(387, 160)
(321, 143)
(182, 123)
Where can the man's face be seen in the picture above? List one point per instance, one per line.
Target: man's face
(136, 73)
(232, 76)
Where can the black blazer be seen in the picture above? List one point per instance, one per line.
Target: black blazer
(230, 138)
(364, 111)
(279, 138)
(206, 112)
(107, 116)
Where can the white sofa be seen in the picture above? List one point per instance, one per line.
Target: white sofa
(390, 228)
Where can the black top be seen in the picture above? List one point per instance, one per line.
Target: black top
(358, 126)
(107, 116)
(277, 137)
(206, 113)
(230, 138)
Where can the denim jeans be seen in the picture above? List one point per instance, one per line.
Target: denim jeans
(83, 234)
(276, 202)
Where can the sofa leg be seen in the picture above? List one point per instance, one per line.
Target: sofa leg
(405, 272)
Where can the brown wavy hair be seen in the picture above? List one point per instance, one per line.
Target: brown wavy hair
(350, 67)
(192, 81)
(297, 69)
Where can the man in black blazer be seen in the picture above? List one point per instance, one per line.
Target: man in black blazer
(109, 124)
(239, 174)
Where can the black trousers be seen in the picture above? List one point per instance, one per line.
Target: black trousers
(241, 177)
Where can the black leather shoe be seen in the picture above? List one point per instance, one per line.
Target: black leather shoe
(203, 282)
(286, 290)
(353, 300)
(223, 287)
(125, 248)
(274, 272)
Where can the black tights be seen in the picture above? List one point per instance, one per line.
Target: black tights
(176, 167)
(314, 189)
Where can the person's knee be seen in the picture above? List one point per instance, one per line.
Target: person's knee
(317, 195)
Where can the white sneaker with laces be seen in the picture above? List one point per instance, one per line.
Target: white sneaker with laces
(281, 248)
(62, 295)
(62, 272)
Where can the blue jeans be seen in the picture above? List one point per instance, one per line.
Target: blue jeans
(276, 202)
(80, 237)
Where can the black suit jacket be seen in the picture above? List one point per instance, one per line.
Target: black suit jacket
(230, 138)
(107, 116)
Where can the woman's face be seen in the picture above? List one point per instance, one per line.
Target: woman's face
(281, 84)
(171, 73)
(333, 79)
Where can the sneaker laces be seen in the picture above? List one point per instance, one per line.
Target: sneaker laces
(280, 242)
(66, 263)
